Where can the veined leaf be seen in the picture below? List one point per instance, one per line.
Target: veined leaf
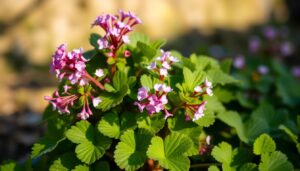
(44, 145)
(276, 161)
(223, 153)
(263, 144)
(130, 153)
(81, 168)
(65, 162)
(151, 123)
(170, 152)
(109, 125)
(146, 81)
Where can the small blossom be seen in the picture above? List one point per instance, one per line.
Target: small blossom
(296, 71)
(254, 44)
(125, 39)
(166, 65)
(286, 48)
(167, 114)
(269, 32)
(239, 62)
(96, 101)
(207, 83)
(127, 53)
(262, 69)
(209, 91)
(99, 72)
(152, 65)
(142, 93)
(173, 59)
(198, 89)
(103, 43)
(163, 72)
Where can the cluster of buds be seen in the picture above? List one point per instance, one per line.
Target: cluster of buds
(116, 27)
(70, 65)
(198, 109)
(61, 103)
(153, 102)
(166, 61)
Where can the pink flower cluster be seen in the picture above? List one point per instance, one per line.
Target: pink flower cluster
(116, 27)
(166, 61)
(70, 65)
(153, 102)
(62, 103)
(198, 109)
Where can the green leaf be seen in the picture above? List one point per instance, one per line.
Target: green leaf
(248, 167)
(213, 168)
(146, 81)
(138, 37)
(81, 168)
(158, 43)
(130, 153)
(192, 79)
(110, 100)
(234, 120)
(119, 80)
(151, 123)
(91, 143)
(223, 153)
(82, 132)
(226, 65)
(275, 161)
(263, 144)
(93, 40)
(204, 62)
(217, 76)
(170, 153)
(146, 50)
(207, 120)
(109, 125)
(64, 163)
(44, 145)
(109, 88)
(190, 129)
(10, 166)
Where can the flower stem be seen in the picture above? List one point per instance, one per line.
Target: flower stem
(97, 83)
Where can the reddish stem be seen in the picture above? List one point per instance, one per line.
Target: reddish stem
(97, 83)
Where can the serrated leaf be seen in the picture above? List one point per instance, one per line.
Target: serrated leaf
(10, 166)
(207, 120)
(109, 88)
(119, 80)
(213, 168)
(82, 132)
(158, 43)
(190, 129)
(223, 153)
(146, 81)
(192, 79)
(138, 37)
(170, 153)
(204, 62)
(263, 144)
(275, 161)
(88, 153)
(64, 163)
(146, 50)
(248, 167)
(110, 100)
(130, 153)
(44, 145)
(151, 123)
(81, 168)
(109, 125)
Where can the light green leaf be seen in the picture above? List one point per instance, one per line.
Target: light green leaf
(81, 168)
(248, 167)
(109, 125)
(217, 76)
(213, 168)
(138, 37)
(82, 132)
(109, 88)
(158, 43)
(146, 81)
(44, 145)
(204, 62)
(88, 153)
(146, 50)
(223, 153)
(10, 166)
(151, 123)
(263, 144)
(64, 163)
(275, 161)
(207, 120)
(170, 153)
(130, 153)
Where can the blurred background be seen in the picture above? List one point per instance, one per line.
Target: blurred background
(30, 30)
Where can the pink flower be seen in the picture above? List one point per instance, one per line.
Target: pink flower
(99, 72)
(116, 29)
(142, 93)
(239, 62)
(198, 89)
(96, 101)
(70, 65)
(263, 70)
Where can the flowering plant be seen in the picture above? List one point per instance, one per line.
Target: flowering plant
(128, 104)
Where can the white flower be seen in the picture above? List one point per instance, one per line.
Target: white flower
(209, 91)
(198, 89)
(99, 72)
(125, 39)
(173, 59)
(158, 87)
(207, 83)
(166, 65)
(163, 72)
(96, 101)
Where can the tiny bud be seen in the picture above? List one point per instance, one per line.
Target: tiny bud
(127, 53)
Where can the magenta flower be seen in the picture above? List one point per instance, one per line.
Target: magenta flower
(153, 102)
(263, 70)
(296, 71)
(116, 28)
(70, 65)
(269, 32)
(254, 44)
(239, 62)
